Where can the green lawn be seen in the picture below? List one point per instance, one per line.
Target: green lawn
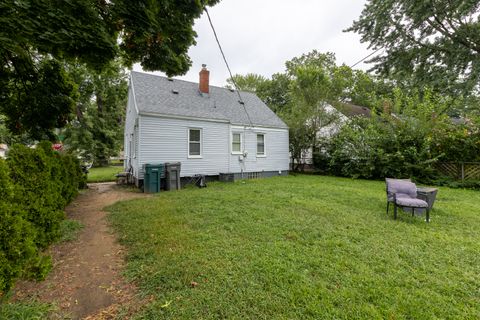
(103, 174)
(31, 310)
(301, 247)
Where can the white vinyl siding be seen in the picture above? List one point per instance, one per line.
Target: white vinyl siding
(195, 143)
(261, 145)
(131, 143)
(236, 142)
(162, 140)
(276, 149)
(166, 140)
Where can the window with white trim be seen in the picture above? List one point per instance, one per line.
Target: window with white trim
(135, 143)
(260, 144)
(236, 142)
(195, 143)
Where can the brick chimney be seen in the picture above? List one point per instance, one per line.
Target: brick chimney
(203, 86)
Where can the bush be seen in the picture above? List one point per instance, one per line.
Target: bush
(403, 144)
(36, 176)
(35, 186)
(17, 247)
(378, 148)
(75, 179)
(449, 182)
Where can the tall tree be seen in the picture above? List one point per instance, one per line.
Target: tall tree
(97, 131)
(250, 82)
(433, 43)
(275, 92)
(303, 95)
(312, 88)
(37, 36)
(36, 96)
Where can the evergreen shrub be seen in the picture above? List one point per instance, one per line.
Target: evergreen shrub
(35, 186)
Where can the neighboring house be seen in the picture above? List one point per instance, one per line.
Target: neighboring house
(351, 110)
(3, 150)
(205, 128)
(343, 111)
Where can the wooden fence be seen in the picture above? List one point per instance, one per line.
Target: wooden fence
(460, 170)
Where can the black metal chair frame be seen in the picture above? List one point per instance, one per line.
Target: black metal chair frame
(198, 180)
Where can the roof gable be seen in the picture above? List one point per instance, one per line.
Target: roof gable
(161, 95)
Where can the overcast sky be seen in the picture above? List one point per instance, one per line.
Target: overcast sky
(259, 36)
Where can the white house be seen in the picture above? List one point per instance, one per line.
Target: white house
(3, 150)
(343, 113)
(209, 130)
(324, 133)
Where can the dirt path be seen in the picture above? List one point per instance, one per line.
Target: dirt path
(86, 281)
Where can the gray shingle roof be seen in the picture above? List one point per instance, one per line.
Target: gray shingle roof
(154, 94)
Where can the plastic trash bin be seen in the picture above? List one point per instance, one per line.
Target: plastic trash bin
(152, 177)
(172, 175)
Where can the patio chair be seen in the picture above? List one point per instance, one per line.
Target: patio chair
(403, 193)
(389, 181)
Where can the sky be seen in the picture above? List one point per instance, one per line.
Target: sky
(260, 36)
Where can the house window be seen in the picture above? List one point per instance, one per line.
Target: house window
(135, 142)
(236, 142)
(260, 144)
(194, 143)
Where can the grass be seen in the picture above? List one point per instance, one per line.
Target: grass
(69, 230)
(103, 174)
(32, 310)
(301, 247)
(25, 311)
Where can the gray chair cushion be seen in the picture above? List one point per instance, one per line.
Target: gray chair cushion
(406, 201)
(400, 186)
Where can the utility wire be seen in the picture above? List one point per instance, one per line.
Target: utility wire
(371, 54)
(228, 67)
(363, 59)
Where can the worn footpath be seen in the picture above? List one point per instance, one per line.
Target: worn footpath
(86, 280)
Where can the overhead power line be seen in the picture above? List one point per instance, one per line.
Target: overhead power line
(371, 54)
(228, 68)
(365, 58)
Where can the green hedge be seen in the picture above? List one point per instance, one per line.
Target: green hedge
(35, 186)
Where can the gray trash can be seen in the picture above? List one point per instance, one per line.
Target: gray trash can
(172, 176)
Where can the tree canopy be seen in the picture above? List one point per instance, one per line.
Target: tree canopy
(426, 43)
(250, 82)
(36, 96)
(302, 93)
(155, 33)
(38, 36)
(97, 130)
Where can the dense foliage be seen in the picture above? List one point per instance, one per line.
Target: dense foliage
(35, 186)
(250, 82)
(405, 142)
(35, 96)
(38, 37)
(302, 96)
(426, 43)
(17, 235)
(97, 131)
